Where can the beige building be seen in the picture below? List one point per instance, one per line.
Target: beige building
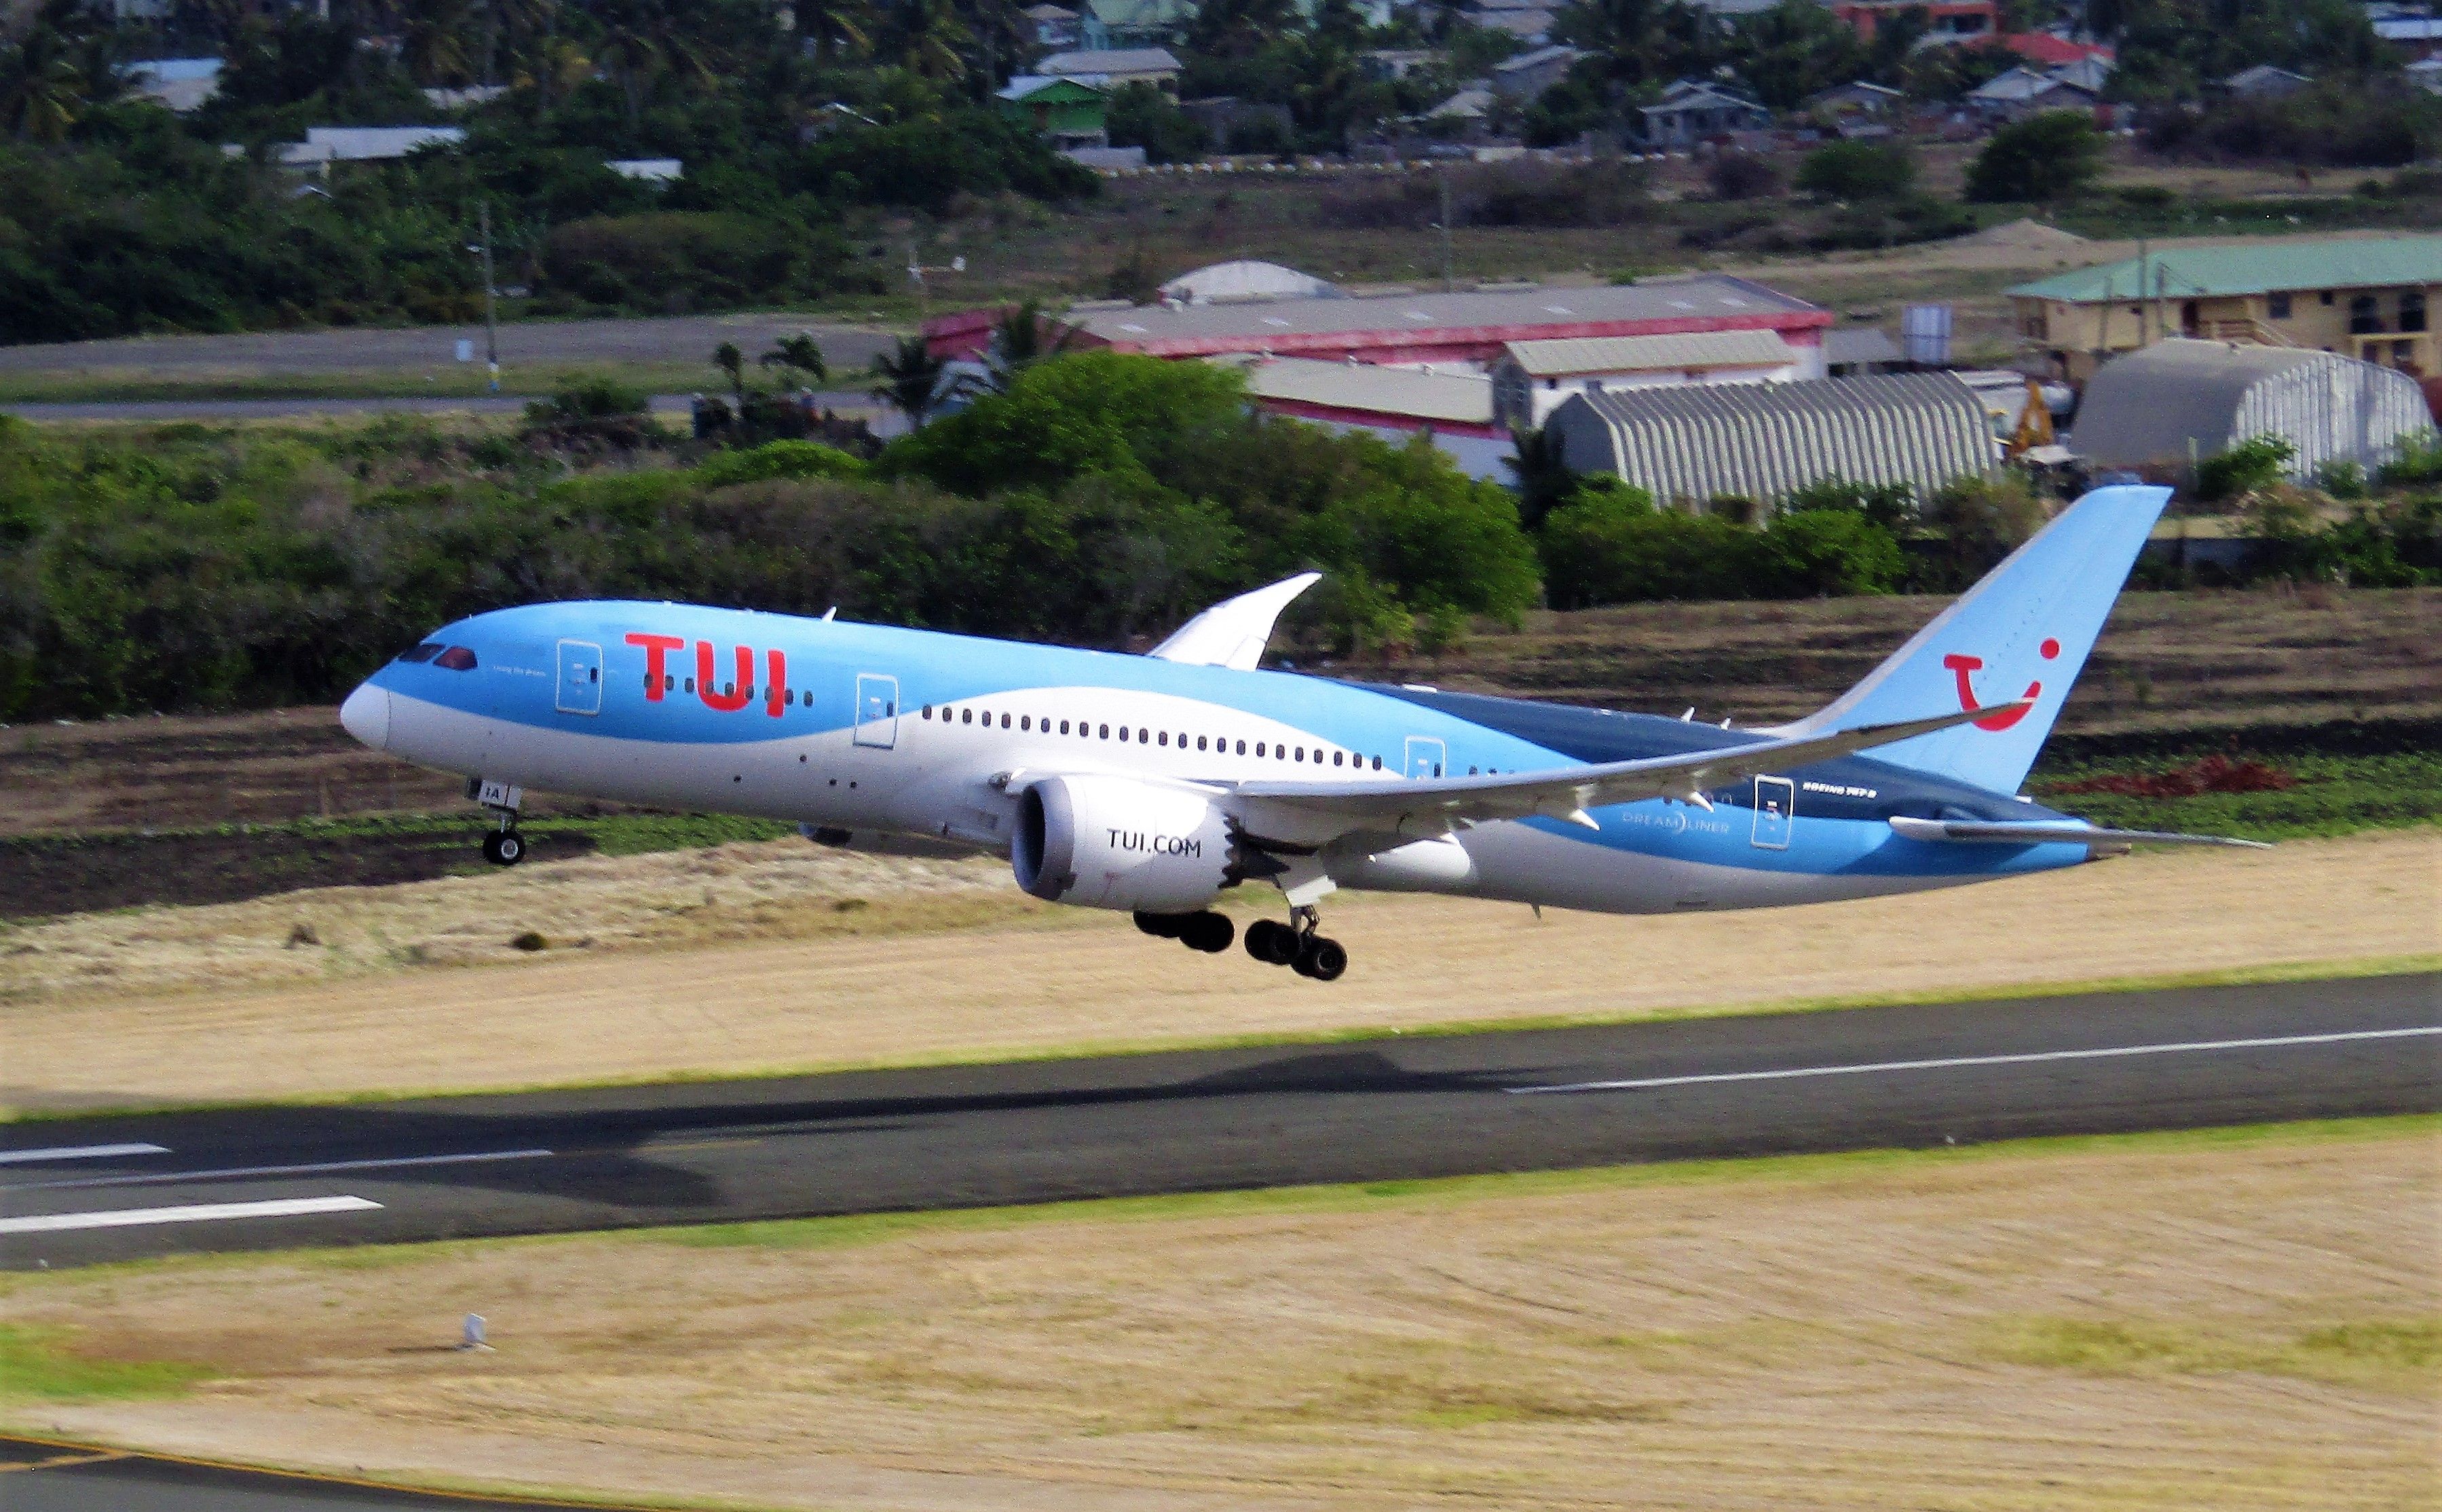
(2366, 299)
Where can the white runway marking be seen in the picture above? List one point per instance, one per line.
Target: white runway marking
(2187, 1047)
(154, 1178)
(78, 1152)
(197, 1213)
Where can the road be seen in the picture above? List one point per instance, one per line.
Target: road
(843, 401)
(88, 1190)
(433, 348)
(38, 1475)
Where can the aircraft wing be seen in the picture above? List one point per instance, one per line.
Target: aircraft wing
(2045, 831)
(1435, 805)
(1234, 631)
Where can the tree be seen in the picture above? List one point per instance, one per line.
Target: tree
(1858, 171)
(1640, 41)
(1794, 49)
(934, 40)
(905, 376)
(1541, 470)
(2047, 156)
(1142, 116)
(1238, 29)
(644, 40)
(432, 40)
(831, 28)
(799, 354)
(45, 87)
(729, 360)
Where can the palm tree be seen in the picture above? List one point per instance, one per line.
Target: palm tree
(45, 88)
(642, 40)
(832, 27)
(798, 353)
(905, 376)
(432, 40)
(729, 360)
(936, 41)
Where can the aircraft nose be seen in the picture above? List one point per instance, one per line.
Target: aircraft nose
(366, 716)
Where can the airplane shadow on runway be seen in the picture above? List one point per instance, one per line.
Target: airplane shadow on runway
(603, 1139)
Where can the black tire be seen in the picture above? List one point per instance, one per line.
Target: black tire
(1209, 932)
(1322, 960)
(508, 848)
(1272, 943)
(1162, 926)
(492, 849)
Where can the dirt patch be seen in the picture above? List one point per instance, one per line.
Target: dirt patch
(758, 968)
(2197, 1322)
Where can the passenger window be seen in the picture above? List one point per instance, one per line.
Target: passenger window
(1123, 731)
(1259, 748)
(966, 715)
(1064, 727)
(1141, 735)
(1334, 758)
(690, 687)
(928, 711)
(1165, 738)
(1242, 749)
(1004, 722)
(668, 681)
(1025, 721)
(1301, 753)
(1378, 763)
(1107, 732)
(1199, 742)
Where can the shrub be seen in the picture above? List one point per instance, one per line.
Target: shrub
(1612, 546)
(1818, 552)
(1741, 175)
(779, 459)
(1976, 522)
(2418, 464)
(1143, 116)
(2255, 464)
(1858, 171)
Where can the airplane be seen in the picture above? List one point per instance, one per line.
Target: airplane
(1152, 784)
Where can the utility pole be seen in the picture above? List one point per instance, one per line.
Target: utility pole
(491, 300)
(1450, 279)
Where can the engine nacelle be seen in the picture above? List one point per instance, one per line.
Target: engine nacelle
(1106, 842)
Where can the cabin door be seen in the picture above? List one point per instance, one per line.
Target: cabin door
(580, 678)
(1776, 809)
(876, 710)
(1425, 757)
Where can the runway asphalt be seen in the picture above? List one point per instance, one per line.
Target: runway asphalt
(38, 1475)
(90, 1190)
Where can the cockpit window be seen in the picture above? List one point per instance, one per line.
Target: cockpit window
(421, 653)
(457, 659)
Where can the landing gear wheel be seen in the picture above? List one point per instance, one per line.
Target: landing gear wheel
(1272, 943)
(1321, 959)
(1208, 932)
(504, 847)
(1161, 926)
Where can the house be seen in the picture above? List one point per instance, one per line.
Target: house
(1693, 111)
(648, 170)
(1446, 330)
(1861, 98)
(1112, 68)
(1133, 23)
(1228, 121)
(1067, 113)
(1761, 441)
(2180, 399)
(1055, 27)
(1467, 111)
(179, 85)
(1533, 378)
(1948, 21)
(1450, 407)
(2425, 74)
(1396, 63)
(1529, 21)
(2411, 37)
(2050, 53)
(2020, 92)
(2364, 297)
(1528, 74)
(325, 145)
(467, 98)
(2264, 82)
(2085, 73)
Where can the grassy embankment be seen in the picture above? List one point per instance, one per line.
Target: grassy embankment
(2071, 1323)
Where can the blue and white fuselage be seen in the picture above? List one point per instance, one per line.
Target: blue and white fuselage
(1150, 783)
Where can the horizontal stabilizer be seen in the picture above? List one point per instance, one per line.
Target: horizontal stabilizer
(2045, 832)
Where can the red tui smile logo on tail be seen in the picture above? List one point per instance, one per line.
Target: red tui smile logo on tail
(1962, 667)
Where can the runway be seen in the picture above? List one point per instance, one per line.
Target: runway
(90, 1190)
(43, 1475)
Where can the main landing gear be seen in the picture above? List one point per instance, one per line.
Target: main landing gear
(1298, 946)
(1294, 944)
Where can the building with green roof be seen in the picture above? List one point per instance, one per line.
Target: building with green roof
(2364, 297)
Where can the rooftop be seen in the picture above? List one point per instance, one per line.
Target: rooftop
(1418, 393)
(1633, 354)
(2213, 272)
(1702, 302)
(1114, 61)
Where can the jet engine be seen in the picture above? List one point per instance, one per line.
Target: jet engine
(1109, 841)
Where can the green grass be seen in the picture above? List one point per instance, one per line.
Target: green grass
(2359, 1352)
(42, 1365)
(2334, 795)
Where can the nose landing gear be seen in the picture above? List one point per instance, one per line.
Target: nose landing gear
(1298, 946)
(504, 847)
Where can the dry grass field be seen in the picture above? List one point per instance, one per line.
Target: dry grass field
(2223, 1321)
(764, 957)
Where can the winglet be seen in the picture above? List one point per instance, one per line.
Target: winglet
(1234, 631)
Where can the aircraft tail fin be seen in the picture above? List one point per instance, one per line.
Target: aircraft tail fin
(2022, 633)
